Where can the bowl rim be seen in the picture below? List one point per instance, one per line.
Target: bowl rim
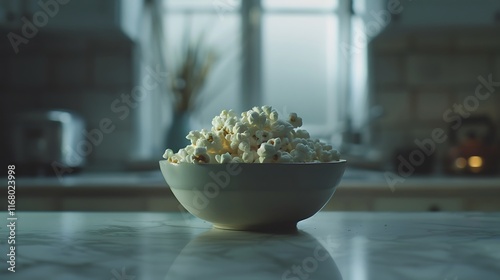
(340, 161)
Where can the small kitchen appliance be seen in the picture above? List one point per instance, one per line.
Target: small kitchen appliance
(47, 141)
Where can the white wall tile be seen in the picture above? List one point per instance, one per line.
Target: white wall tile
(114, 146)
(489, 106)
(478, 43)
(70, 71)
(422, 132)
(77, 45)
(445, 69)
(431, 105)
(396, 106)
(466, 68)
(97, 105)
(5, 69)
(497, 68)
(388, 70)
(394, 44)
(78, 75)
(427, 69)
(66, 100)
(112, 70)
(94, 107)
(387, 140)
(29, 71)
(433, 42)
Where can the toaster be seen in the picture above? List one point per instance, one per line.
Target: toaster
(47, 141)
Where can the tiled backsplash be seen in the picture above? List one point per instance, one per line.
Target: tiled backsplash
(417, 76)
(80, 74)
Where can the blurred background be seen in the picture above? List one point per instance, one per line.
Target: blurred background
(92, 92)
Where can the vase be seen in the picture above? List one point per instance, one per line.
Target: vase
(179, 129)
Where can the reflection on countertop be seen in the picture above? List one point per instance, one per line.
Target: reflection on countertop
(329, 245)
(245, 254)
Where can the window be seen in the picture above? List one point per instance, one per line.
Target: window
(282, 53)
(220, 24)
(299, 58)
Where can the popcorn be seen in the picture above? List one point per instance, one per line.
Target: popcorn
(273, 116)
(281, 128)
(211, 140)
(236, 160)
(244, 146)
(256, 119)
(224, 122)
(267, 109)
(239, 128)
(175, 158)
(276, 142)
(224, 158)
(236, 139)
(200, 155)
(257, 136)
(250, 157)
(302, 133)
(301, 153)
(295, 120)
(168, 153)
(267, 153)
(263, 135)
(285, 157)
(193, 136)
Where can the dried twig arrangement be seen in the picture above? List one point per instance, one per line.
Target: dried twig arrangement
(196, 63)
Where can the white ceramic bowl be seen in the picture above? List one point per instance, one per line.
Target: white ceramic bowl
(250, 196)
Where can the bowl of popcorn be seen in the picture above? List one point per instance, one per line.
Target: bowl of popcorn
(253, 171)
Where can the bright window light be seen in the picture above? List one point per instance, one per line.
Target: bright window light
(300, 4)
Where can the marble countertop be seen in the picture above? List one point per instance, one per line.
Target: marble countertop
(330, 245)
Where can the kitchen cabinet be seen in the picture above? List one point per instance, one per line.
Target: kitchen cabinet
(416, 203)
(448, 13)
(11, 12)
(107, 18)
(163, 200)
(361, 191)
(420, 204)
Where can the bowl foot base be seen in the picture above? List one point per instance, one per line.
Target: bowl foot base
(276, 227)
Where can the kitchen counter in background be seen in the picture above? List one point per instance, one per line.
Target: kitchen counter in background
(359, 190)
(329, 245)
